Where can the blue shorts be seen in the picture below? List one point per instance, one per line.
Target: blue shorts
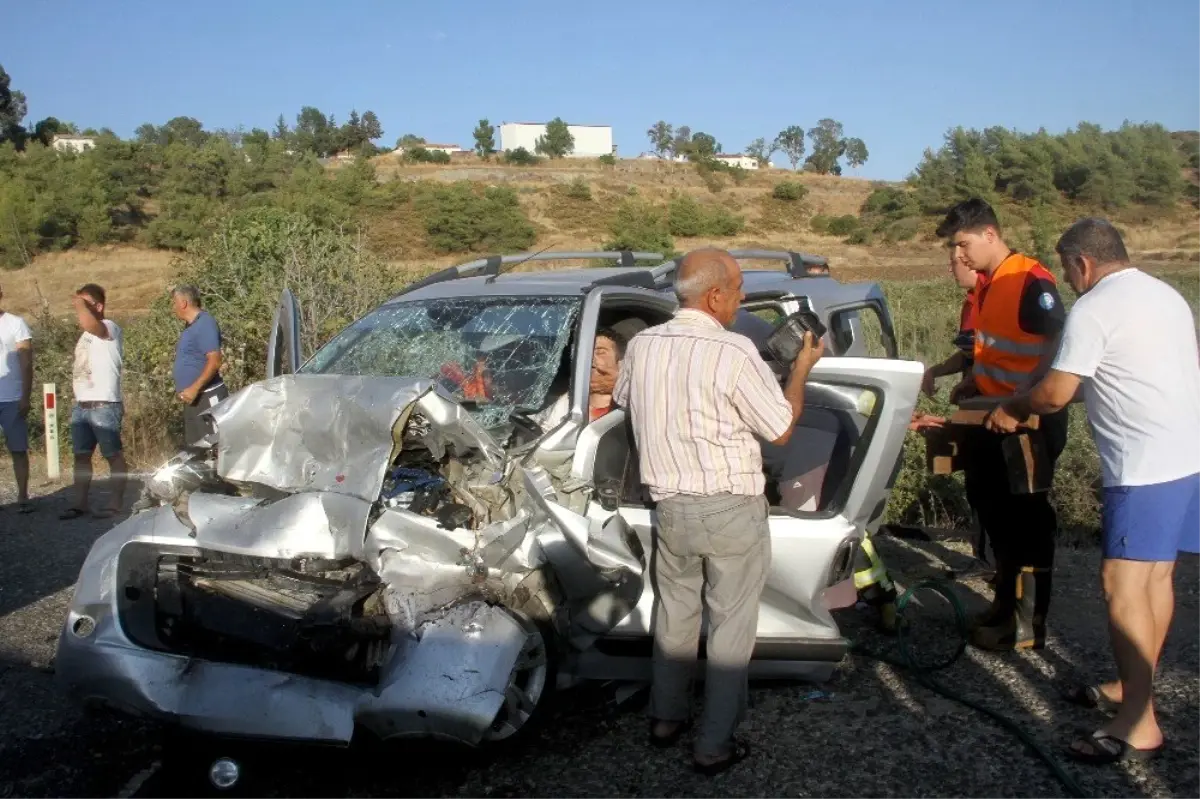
(98, 426)
(1152, 522)
(14, 427)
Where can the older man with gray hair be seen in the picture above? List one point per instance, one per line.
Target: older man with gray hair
(197, 369)
(697, 396)
(1130, 343)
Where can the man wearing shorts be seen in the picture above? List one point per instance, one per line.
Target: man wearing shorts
(98, 411)
(1130, 341)
(16, 381)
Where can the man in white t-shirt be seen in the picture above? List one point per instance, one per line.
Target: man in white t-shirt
(98, 411)
(16, 381)
(1130, 341)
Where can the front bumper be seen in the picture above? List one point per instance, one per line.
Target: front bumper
(448, 683)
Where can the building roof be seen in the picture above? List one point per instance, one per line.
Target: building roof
(569, 124)
(58, 136)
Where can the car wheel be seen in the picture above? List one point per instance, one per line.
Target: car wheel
(530, 684)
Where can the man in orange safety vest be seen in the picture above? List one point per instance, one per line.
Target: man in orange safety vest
(1019, 318)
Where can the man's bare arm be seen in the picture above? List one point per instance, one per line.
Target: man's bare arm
(89, 320)
(25, 358)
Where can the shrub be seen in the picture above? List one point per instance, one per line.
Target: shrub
(520, 157)
(464, 217)
(688, 218)
(420, 155)
(578, 189)
(902, 229)
(639, 225)
(607, 160)
(819, 224)
(842, 225)
(789, 191)
(860, 236)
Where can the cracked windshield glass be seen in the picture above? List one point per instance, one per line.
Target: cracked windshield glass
(494, 355)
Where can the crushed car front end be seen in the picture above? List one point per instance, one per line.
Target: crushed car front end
(353, 552)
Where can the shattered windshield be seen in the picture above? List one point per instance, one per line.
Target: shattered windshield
(493, 354)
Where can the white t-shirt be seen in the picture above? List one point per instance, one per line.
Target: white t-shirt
(97, 373)
(13, 330)
(1133, 340)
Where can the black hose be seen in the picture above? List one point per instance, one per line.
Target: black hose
(924, 674)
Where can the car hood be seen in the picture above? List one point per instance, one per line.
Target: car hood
(335, 433)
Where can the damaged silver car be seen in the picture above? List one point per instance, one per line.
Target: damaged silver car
(386, 538)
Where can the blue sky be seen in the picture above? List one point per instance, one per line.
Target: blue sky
(897, 74)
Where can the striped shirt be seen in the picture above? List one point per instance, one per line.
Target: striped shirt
(697, 395)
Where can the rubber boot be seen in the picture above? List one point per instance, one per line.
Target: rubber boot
(1025, 626)
(1003, 599)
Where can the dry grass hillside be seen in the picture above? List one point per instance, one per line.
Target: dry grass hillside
(134, 276)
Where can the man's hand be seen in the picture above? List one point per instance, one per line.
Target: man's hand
(23, 407)
(188, 395)
(1000, 420)
(923, 421)
(964, 390)
(603, 380)
(809, 354)
(929, 383)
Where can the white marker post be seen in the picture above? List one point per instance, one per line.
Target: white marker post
(51, 414)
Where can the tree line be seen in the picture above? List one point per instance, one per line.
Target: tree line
(829, 146)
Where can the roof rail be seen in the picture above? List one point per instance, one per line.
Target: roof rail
(491, 265)
(796, 263)
(640, 279)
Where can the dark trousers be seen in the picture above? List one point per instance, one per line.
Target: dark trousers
(195, 426)
(1021, 527)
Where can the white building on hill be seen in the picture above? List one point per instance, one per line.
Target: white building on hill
(64, 142)
(739, 159)
(591, 141)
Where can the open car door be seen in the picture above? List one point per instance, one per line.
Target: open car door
(870, 401)
(283, 346)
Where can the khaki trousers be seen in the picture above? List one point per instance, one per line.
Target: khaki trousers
(713, 550)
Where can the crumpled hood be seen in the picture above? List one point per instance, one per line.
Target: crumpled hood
(333, 433)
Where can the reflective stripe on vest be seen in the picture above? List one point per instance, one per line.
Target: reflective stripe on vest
(1006, 355)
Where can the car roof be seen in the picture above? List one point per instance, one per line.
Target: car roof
(574, 282)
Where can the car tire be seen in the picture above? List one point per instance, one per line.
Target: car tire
(531, 690)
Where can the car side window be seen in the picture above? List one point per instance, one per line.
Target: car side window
(860, 332)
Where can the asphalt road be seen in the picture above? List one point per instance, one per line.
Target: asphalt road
(872, 731)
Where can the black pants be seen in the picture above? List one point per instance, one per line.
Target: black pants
(195, 426)
(1022, 527)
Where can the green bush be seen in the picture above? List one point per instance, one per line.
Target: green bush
(578, 189)
(688, 218)
(520, 157)
(860, 236)
(842, 225)
(639, 225)
(607, 160)
(420, 155)
(902, 229)
(789, 191)
(819, 224)
(464, 217)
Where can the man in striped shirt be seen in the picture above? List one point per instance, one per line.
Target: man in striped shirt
(697, 396)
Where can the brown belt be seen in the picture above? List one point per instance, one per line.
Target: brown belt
(89, 404)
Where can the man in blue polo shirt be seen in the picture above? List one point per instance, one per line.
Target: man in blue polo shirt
(197, 370)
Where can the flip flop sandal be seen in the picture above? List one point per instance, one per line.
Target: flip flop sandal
(667, 741)
(1088, 696)
(71, 513)
(741, 751)
(1104, 749)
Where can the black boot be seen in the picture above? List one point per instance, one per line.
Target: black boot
(1003, 600)
(1025, 626)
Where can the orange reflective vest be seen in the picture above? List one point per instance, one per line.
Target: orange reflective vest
(1006, 355)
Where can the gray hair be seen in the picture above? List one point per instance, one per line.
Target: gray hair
(701, 273)
(1095, 238)
(189, 293)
